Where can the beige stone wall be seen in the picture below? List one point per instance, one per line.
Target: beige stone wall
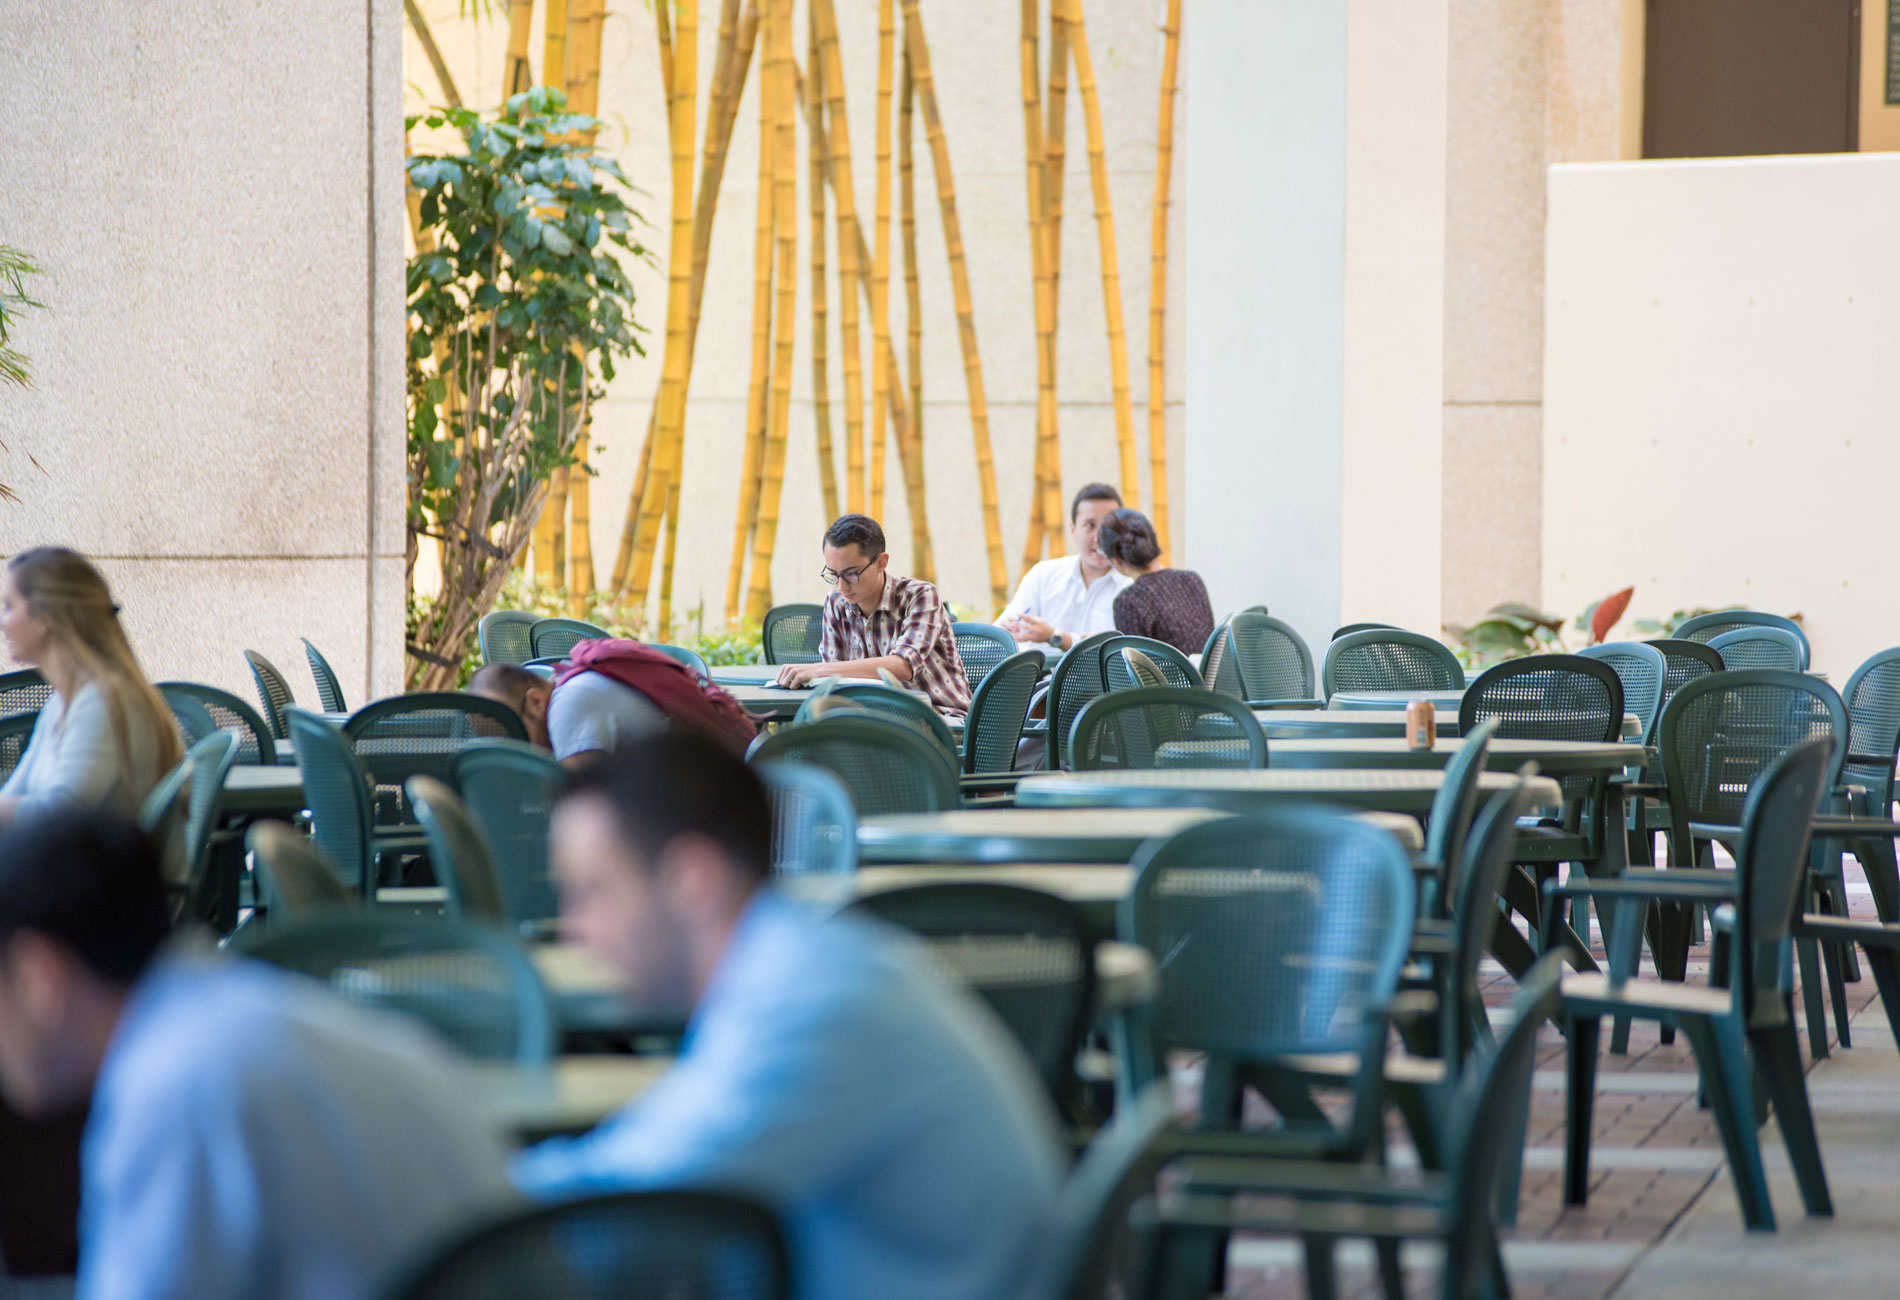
(974, 50)
(217, 415)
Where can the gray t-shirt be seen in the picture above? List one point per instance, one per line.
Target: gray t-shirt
(593, 711)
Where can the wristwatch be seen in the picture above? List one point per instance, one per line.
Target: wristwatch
(1055, 639)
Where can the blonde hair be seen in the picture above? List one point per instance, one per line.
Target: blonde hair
(63, 590)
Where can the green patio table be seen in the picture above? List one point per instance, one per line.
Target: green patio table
(1353, 722)
(263, 791)
(1245, 790)
(1045, 835)
(1553, 757)
(730, 675)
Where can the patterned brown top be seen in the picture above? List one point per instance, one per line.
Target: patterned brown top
(1167, 605)
(910, 622)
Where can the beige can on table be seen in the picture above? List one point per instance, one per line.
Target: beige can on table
(1421, 724)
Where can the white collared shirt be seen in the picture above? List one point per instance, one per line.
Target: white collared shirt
(1053, 591)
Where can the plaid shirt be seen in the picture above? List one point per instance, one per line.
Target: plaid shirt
(910, 622)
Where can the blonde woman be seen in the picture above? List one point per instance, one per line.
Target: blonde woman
(106, 736)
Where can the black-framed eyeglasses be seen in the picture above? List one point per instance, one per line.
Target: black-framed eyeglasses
(831, 576)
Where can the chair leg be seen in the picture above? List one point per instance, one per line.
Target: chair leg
(1722, 1054)
(1391, 1276)
(1887, 980)
(1778, 1061)
(1579, 1103)
(1878, 864)
(1322, 1278)
(1807, 953)
(1832, 960)
(1418, 1108)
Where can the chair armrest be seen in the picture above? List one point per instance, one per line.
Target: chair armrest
(1412, 1006)
(1839, 826)
(1663, 889)
(1373, 1184)
(990, 782)
(1640, 789)
(1432, 944)
(1869, 934)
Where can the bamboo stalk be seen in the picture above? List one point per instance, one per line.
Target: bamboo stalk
(758, 390)
(430, 51)
(838, 151)
(913, 288)
(1055, 162)
(881, 250)
(1158, 276)
(782, 78)
(960, 289)
(516, 75)
(550, 537)
(669, 437)
(1035, 163)
(584, 84)
(814, 100)
(1111, 264)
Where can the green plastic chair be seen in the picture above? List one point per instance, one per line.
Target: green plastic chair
(462, 861)
(1550, 697)
(182, 812)
(329, 689)
(1706, 627)
(1872, 697)
(982, 647)
(510, 788)
(201, 710)
(998, 710)
(687, 1244)
(691, 658)
(295, 878)
(273, 693)
(1028, 954)
(908, 707)
(1121, 674)
(1350, 628)
(1683, 662)
(790, 633)
(1743, 1032)
(420, 734)
(474, 986)
(24, 690)
(1165, 726)
(1760, 647)
(1088, 1233)
(1217, 664)
(553, 638)
(505, 636)
(16, 733)
(338, 795)
(1449, 821)
(1076, 679)
(1273, 663)
(814, 823)
(887, 765)
(1642, 669)
(1386, 659)
(1325, 1202)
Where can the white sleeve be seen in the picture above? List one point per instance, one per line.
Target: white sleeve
(86, 768)
(1028, 597)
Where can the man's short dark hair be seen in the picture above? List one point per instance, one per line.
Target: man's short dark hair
(91, 880)
(1126, 535)
(509, 682)
(1092, 492)
(860, 531)
(681, 783)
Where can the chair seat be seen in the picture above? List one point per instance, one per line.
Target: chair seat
(1595, 994)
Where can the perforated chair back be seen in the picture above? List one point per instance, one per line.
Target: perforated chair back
(1485, 861)
(1642, 669)
(1165, 726)
(888, 766)
(1704, 628)
(1028, 954)
(16, 733)
(1090, 1218)
(294, 876)
(273, 693)
(419, 735)
(678, 1245)
(474, 986)
(814, 823)
(1549, 697)
(691, 658)
(1683, 662)
(506, 636)
(1771, 866)
(1760, 647)
(182, 811)
(24, 690)
(1153, 663)
(1350, 628)
(998, 709)
(1217, 664)
(908, 707)
(201, 710)
(1275, 932)
(791, 633)
(1719, 733)
(1386, 659)
(510, 788)
(336, 791)
(1454, 806)
(1076, 679)
(1872, 697)
(1272, 658)
(553, 638)
(458, 852)
(982, 646)
(329, 689)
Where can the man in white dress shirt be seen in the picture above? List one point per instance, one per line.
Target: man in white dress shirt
(1063, 600)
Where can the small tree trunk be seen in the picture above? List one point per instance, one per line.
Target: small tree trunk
(516, 75)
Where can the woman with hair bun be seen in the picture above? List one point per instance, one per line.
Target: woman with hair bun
(106, 736)
(1163, 604)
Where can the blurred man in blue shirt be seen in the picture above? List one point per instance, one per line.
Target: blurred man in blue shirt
(251, 1135)
(900, 1133)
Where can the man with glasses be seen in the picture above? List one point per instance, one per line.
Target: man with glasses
(878, 620)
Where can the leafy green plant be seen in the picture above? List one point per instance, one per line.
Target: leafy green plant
(1511, 631)
(1667, 626)
(15, 266)
(517, 308)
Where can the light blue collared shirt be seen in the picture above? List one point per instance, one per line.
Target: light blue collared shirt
(902, 1137)
(251, 1135)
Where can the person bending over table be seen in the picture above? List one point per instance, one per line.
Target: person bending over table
(878, 620)
(250, 1134)
(106, 736)
(1064, 599)
(888, 1118)
(1162, 604)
